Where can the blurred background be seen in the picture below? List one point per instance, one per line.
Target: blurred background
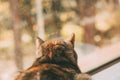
(96, 24)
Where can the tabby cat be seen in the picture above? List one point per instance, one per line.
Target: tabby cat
(57, 62)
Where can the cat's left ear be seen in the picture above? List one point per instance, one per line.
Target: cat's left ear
(39, 41)
(72, 39)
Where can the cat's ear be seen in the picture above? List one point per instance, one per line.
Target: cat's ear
(39, 41)
(72, 39)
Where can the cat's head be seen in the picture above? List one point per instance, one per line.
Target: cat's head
(58, 50)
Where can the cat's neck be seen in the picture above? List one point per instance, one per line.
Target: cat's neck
(62, 62)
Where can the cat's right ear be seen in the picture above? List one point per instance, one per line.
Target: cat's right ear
(39, 41)
(72, 39)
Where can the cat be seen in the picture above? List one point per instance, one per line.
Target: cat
(82, 76)
(58, 61)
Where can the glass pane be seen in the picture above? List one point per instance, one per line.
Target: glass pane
(111, 73)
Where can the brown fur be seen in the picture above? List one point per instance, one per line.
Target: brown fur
(57, 62)
(83, 76)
